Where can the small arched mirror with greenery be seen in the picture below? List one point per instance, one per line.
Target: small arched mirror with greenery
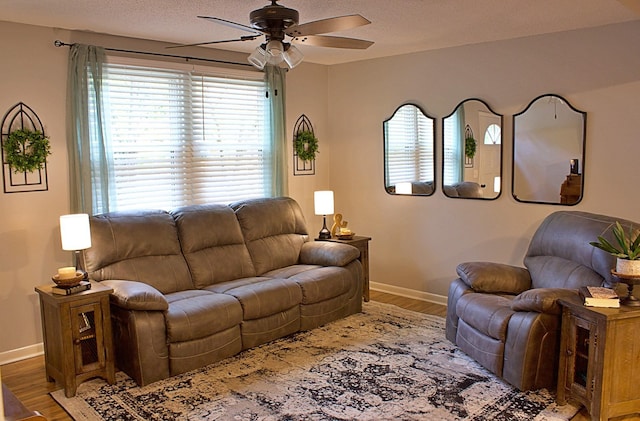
(472, 151)
(409, 158)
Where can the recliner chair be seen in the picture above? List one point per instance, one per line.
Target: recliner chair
(507, 317)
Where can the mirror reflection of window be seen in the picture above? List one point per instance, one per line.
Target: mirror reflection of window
(548, 151)
(493, 135)
(409, 152)
(472, 151)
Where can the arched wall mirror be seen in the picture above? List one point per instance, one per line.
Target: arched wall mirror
(548, 152)
(409, 158)
(472, 151)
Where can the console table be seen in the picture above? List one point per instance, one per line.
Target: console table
(599, 364)
(362, 244)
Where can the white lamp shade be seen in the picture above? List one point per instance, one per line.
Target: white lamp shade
(323, 202)
(404, 188)
(292, 56)
(258, 58)
(496, 184)
(75, 232)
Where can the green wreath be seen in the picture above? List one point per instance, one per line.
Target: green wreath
(26, 150)
(470, 147)
(306, 145)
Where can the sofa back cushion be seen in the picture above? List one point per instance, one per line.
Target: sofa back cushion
(212, 244)
(139, 246)
(274, 230)
(560, 255)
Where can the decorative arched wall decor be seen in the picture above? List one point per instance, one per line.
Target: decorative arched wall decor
(301, 166)
(22, 117)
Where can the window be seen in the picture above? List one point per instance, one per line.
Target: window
(492, 136)
(179, 137)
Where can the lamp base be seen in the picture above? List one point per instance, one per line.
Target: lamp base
(324, 233)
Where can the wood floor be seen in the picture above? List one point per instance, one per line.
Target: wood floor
(26, 379)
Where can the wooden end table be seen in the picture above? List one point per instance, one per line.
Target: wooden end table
(76, 330)
(599, 365)
(362, 244)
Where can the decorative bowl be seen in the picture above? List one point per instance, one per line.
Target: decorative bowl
(346, 236)
(68, 282)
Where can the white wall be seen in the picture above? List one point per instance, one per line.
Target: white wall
(418, 241)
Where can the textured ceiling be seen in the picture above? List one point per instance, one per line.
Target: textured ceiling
(398, 26)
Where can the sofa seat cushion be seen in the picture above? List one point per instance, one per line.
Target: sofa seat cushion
(289, 271)
(196, 314)
(487, 313)
(323, 283)
(261, 297)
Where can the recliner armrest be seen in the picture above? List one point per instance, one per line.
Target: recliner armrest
(542, 300)
(494, 277)
(325, 253)
(133, 295)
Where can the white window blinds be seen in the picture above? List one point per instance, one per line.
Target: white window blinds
(409, 147)
(177, 137)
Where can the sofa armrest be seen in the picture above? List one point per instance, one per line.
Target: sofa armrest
(133, 295)
(542, 300)
(325, 253)
(494, 277)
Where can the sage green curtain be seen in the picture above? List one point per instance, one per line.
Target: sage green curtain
(461, 147)
(275, 78)
(86, 141)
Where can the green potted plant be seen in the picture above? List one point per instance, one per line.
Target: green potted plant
(626, 250)
(306, 145)
(26, 150)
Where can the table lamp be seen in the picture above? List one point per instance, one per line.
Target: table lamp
(323, 203)
(75, 235)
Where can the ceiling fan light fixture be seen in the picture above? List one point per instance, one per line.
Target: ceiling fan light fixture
(258, 57)
(292, 56)
(275, 48)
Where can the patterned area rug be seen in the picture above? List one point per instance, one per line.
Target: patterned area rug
(383, 364)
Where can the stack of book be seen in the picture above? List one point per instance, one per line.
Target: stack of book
(599, 297)
(68, 290)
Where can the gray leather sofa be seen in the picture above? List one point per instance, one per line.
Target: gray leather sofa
(507, 318)
(201, 283)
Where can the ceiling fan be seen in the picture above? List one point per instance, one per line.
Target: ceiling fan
(277, 22)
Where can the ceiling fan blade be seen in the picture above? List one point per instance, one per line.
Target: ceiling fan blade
(230, 24)
(334, 42)
(323, 26)
(243, 38)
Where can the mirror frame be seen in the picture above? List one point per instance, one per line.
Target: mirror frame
(582, 154)
(461, 103)
(384, 150)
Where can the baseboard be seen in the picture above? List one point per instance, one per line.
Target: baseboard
(21, 353)
(409, 293)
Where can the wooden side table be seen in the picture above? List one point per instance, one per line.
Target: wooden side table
(362, 244)
(599, 359)
(76, 329)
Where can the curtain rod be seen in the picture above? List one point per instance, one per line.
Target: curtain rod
(59, 43)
